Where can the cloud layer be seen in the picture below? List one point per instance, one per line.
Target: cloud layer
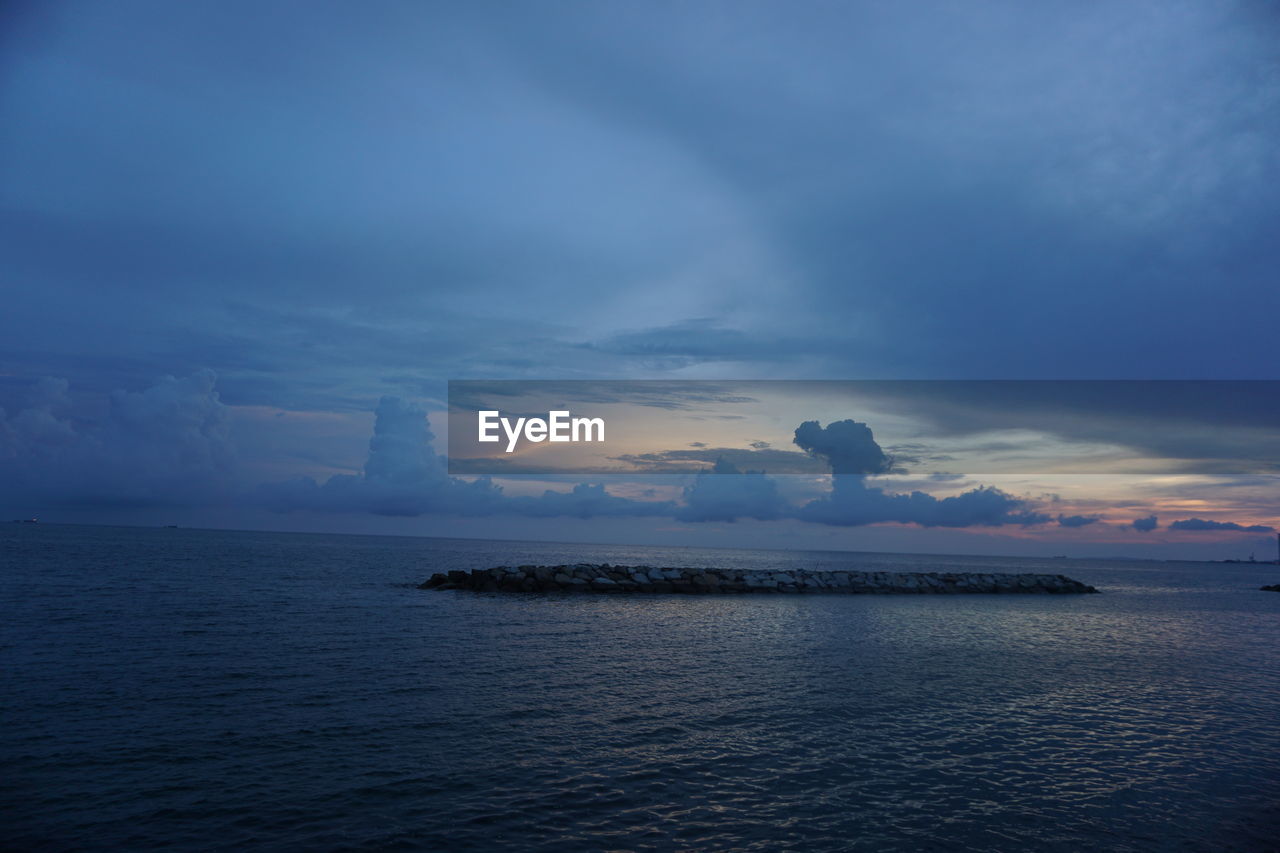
(170, 445)
(372, 203)
(404, 477)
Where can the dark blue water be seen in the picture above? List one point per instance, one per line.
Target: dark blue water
(214, 690)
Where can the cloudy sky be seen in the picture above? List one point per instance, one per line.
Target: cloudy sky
(228, 232)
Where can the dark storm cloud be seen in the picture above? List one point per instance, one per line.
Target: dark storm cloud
(1039, 146)
(1206, 524)
(167, 444)
(327, 204)
(1145, 525)
(1045, 159)
(1077, 520)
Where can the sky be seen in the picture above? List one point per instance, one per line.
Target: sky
(242, 250)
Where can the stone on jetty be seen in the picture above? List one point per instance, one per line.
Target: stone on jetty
(604, 578)
(1275, 587)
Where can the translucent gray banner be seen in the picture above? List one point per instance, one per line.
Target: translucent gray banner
(935, 429)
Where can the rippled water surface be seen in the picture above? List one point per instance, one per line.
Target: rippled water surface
(215, 690)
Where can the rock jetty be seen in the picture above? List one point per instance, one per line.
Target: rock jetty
(591, 577)
(1275, 587)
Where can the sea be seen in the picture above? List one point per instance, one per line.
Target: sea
(212, 690)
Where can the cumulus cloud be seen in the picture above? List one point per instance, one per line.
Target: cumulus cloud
(167, 444)
(1206, 524)
(403, 476)
(848, 447)
(726, 494)
(1146, 525)
(851, 449)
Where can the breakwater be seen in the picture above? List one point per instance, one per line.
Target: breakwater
(591, 577)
